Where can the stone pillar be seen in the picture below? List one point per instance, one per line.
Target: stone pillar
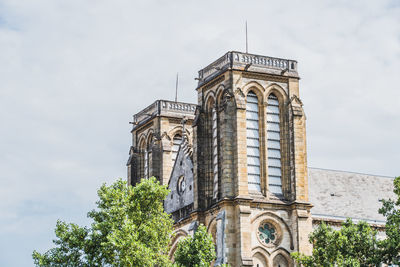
(227, 147)
(195, 167)
(299, 141)
(220, 238)
(241, 153)
(304, 228)
(245, 257)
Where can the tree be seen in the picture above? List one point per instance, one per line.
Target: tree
(391, 210)
(357, 244)
(351, 245)
(196, 251)
(130, 228)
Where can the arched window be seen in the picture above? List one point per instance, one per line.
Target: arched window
(274, 145)
(253, 142)
(143, 156)
(148, 159)
(146, 163)
(280, 261)
(215, 152)
(177, 140)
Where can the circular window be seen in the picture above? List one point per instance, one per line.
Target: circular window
(181, 185)
(267, 233)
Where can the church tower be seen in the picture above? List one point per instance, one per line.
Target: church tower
(241, 169)
(156, 136)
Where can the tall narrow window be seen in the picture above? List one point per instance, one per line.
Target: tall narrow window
(143, 164)
(149, 158)
(274, 145)
(253, 142)
(215, 152)
(175, 147)
(146, 163)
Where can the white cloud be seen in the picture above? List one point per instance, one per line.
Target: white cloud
(73, 72)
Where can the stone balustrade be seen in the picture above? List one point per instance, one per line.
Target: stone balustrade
(165, 108)
(243, 61)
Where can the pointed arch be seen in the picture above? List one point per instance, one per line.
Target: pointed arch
(210, 100)
(277, 90)
(177, 236)
(281, 257)
(212, 229)
(178, 130)
(260, 257)
(256, 87)
(148, 155)
(219, 94)
(142, 148)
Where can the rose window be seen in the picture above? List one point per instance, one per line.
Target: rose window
(267, 233)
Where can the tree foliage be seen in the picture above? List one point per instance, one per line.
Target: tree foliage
(351, 245)
(391, 210)
(195, 251)
(357, 244)
(130, 228)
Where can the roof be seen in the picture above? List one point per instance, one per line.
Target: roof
(340, 194)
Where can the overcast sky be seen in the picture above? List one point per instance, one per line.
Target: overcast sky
(73, 72)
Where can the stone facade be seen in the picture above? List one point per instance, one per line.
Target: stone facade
(241, 162)
(154, 129)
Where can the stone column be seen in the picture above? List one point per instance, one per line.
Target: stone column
(220, 238)
(299, 142)
(241, 153)
(245, 257)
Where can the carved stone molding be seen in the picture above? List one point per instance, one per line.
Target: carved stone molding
(297, 106)
(240, 98)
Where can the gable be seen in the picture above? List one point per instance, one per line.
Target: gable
(181, 182)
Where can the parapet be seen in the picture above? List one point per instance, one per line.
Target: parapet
(164, 108)
(248, 62)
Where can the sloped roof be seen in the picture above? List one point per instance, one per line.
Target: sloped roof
(339, 194)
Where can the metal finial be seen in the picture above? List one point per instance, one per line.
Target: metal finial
(176, 88)
(247, 45)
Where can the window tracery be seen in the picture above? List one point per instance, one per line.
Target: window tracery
(267, 233)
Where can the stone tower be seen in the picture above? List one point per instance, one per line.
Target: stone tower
(242, 168)
(156, 136)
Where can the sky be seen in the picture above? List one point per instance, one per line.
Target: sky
(73, 72)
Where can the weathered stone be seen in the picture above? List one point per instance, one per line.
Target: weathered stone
(217, 170)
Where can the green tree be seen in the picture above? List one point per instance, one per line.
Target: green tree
(351, 245)
(391, 210)
(357, 244)
(196, 251)
(130, 228)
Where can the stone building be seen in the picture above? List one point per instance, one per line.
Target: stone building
(236, 162)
